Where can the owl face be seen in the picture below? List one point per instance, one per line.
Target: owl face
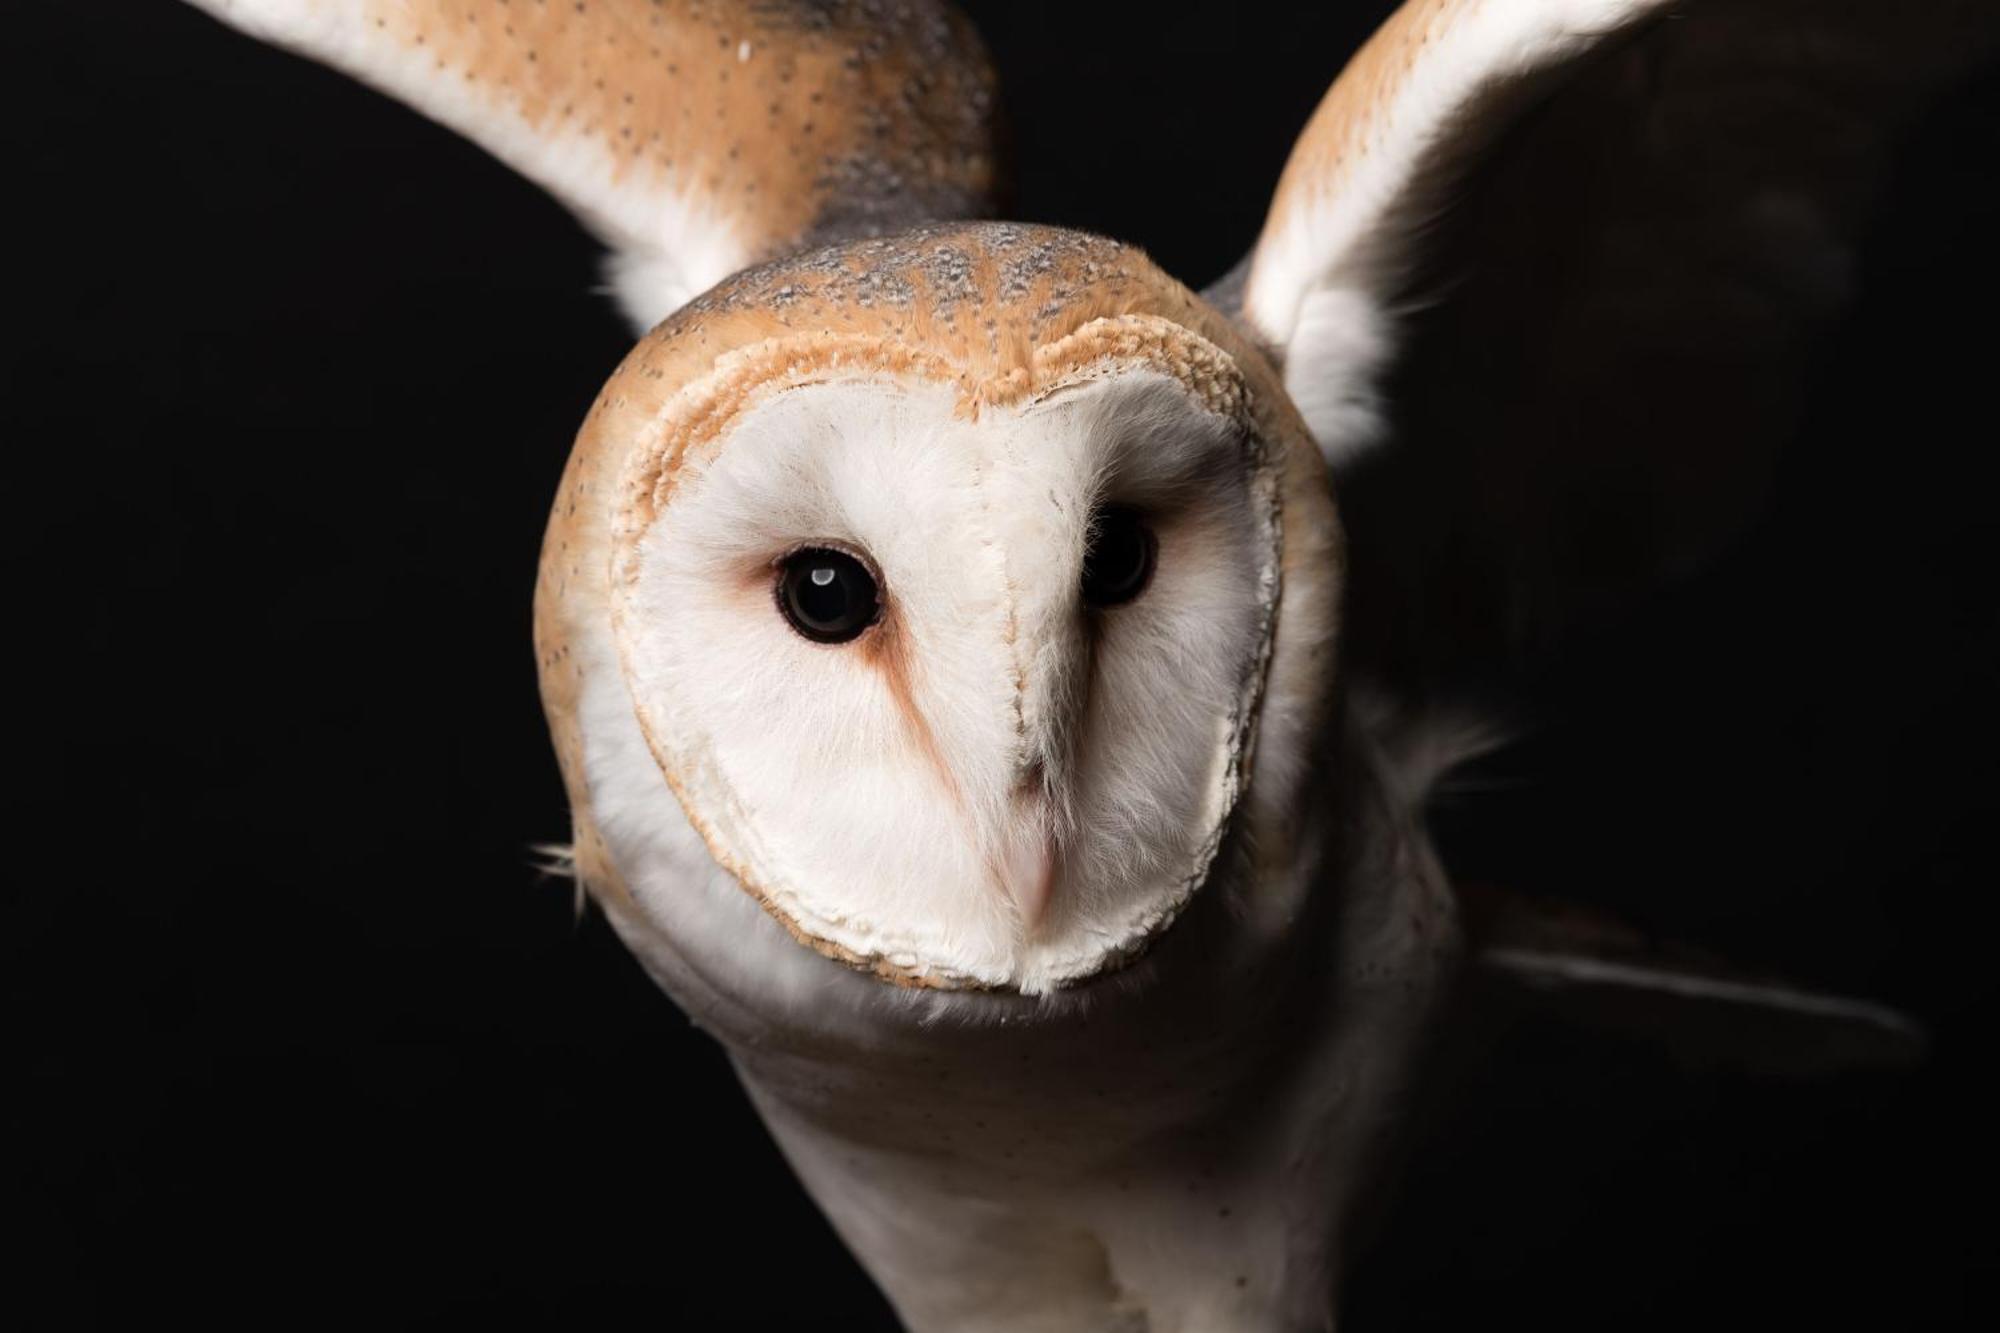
(951, 651)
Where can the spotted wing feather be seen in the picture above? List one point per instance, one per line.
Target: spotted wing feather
(693, 138)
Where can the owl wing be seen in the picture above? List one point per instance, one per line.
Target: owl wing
(693, 139)
(1545, 278)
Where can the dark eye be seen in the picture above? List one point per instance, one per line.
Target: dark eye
(1120, 558)
(828, 596)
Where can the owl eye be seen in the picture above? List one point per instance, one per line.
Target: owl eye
(828, 596)
(1120, 558)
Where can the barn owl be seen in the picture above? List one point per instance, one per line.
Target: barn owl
(972, 709)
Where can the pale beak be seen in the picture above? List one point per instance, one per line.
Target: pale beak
(1028, 860)
(1028, 870)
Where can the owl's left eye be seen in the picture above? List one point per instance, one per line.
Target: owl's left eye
(827, 595)
(1119, 561)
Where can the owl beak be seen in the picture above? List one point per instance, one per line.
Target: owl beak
(1029, 872)
(1028, 861)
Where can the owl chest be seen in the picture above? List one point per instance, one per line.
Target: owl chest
(1022, 1183)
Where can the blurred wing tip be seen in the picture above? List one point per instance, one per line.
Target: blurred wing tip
(1548, 968)
(1757, 1023)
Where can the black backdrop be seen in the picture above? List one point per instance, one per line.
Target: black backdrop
(299, 1036)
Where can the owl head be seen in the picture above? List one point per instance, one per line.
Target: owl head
(942, 574)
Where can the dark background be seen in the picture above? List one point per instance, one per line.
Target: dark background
(297, 1033)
